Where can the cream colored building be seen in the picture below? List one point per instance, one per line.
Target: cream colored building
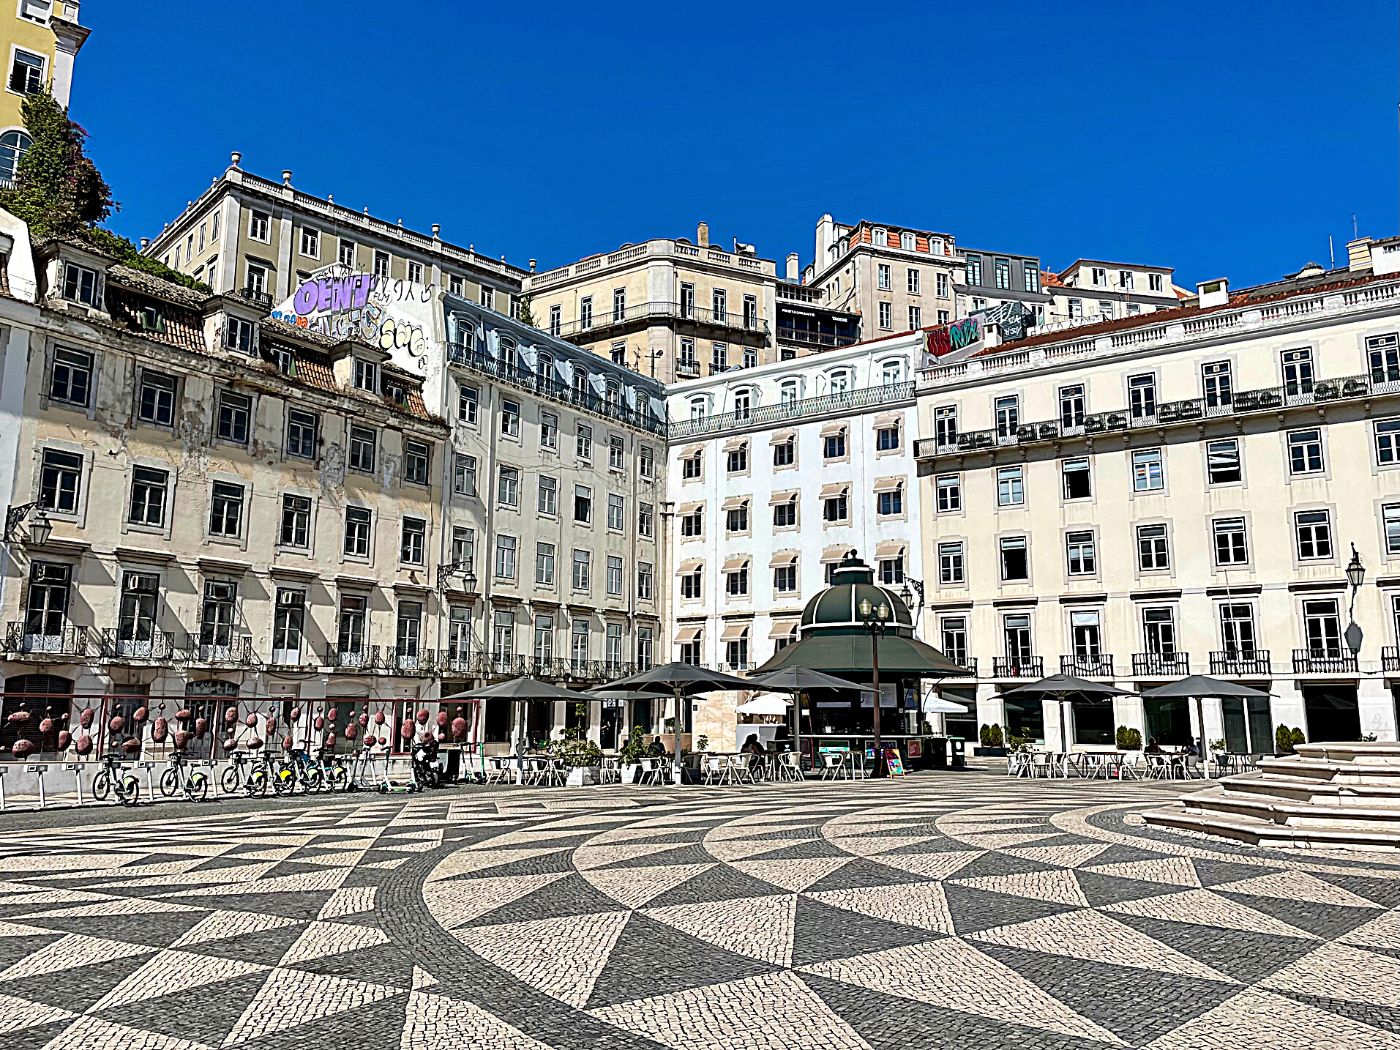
(1177, 493)
(667, 308)
(1090, 290)
(210, 514)
(260, 239)
(42, 39)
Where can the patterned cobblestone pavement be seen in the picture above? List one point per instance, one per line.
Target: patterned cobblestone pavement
(952, 911)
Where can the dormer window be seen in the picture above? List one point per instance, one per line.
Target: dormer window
(366, 375)
(906, 241)
(880, 237)
(151, 319)
(241, 335)
(81, 285)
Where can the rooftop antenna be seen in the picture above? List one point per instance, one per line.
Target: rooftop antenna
(1331, 254)
(1353, 226)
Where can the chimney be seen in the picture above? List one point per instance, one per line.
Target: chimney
(1212, 293)
(702, 234)
(792, 268)
(1359, 254)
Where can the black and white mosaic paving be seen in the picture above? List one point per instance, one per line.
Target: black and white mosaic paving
(953, 911)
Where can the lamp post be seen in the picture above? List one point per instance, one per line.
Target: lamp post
(1356, 575)
(876, 618)
(40, 529)
(911, 590)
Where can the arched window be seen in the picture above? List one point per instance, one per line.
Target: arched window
(544, 366)
(613, 393)
(580, 383)
(510, 355)
(891, 372)
(697, 408)
(13, 146)
(906, 241)
(743, 404)
(790, 392)
(839, 381)
(880, 237)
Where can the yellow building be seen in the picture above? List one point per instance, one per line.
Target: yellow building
(42, 37)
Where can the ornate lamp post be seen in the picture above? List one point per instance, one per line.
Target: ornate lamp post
(1356, 575)
(876, 619)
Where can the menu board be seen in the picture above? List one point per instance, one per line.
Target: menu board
(893, 762)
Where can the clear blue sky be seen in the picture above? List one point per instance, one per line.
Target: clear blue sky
(1220, 138)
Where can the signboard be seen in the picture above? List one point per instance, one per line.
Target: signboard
(956, 336)
(894, 763)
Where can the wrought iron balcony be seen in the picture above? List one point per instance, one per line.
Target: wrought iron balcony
(1253, 662)
(60, 640)
(352, 657)
(260, 299)
(1161, 665)
(968, 663)
(1323, 661)
(460, 663)
(236, 652)
(845, 401)
(1019, 667)
(407, 660)
(1167, 413)
(145, 645)
(1390, 658)
(1087, 666)
(806, 337)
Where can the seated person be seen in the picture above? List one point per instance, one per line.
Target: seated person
(1191, 750)
(1153, 748)
(657, 748)
(753, 746)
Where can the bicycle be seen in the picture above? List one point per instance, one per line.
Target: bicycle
(296, 772)
(331, 770)
(113, 779)
(181, 775)
(252, 780)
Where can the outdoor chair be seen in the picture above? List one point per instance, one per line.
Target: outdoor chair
(495, 770)
(651, 772)
(833, 766)
(741, 769)
(1042, 764)
(1132, 767)
(789, 767)
(610, 770)
(713, 769)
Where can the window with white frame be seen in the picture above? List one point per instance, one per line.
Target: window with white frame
(1142, 396)
(948, 493)
(1148, 475)
(60, 480)
(1305, 451)
(510, 419)
(1383, 357)
(1217, 384)
(1390, 528)
(1223, 465)
(1011, 491)
(1080, 555)
(81, 284)
(614, 575)
(71, 376)
(646, 520)
(1231, 541)
(1014, 559)
(1154, 550)
(1313, 532)
(1007, 410)
(1076, 478)
(583, 504)
(617, 511)
(1072, 406)
(882, 277)
(505, 557)
(1237, 632)
(1297, 366)
(885, 312)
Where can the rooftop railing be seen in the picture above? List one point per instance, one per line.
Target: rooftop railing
(827, 404)
(604, 319)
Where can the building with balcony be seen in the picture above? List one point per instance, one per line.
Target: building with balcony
(1177, 492)
(774, 474)
(805, 325)
(667, 308)
(42, 40)
(1091, 290)
(1002, 286)
(260, 239)
(213, 512)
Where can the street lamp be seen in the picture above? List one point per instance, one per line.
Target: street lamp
(876, 619)
(40, 529)
(911, 590)
(1356, 574)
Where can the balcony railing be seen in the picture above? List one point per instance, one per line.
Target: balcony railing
(156, 646)
(237, 652)
(1241, 662)
(804, 337)
(1087, 666)
(409, 661)
(1315, 661)
(1168, 413)
(604, 320)
(58, 640)
(968, 664)
(550, 387)
(352, 657)
(825, 405)
(262, 300)
(1390, 658)
(1161, 664)
(1020, 667)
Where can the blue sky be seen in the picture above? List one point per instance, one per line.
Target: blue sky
(1198, 135)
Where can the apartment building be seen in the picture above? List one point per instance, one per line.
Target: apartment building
(1002, 286)
(42, 39)
(895, 278)
(260, 239)
(211, 514)
(1090, 290)
(774, 474)
(668, 308)
(1172, 493)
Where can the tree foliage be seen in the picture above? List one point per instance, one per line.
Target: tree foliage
(58, 190)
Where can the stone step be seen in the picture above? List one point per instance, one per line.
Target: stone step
(1266, 833)
(1360, 772)
(1327, 792)
(1371, 752)
(1294, 814)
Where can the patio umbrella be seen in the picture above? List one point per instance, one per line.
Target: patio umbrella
(521, 691)
(804, 680)
(1201, 686)
(1063, 688)
(765, 704)
(936, 705)
(676, 680)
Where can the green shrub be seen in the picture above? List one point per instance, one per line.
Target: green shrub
(634, 748)
(1128, 739)
(984, 735)
(997, 739)
(1285, 739)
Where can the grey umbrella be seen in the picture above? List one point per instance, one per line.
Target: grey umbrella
(521, 691)
(676, 680)
(1064, 688)
(803, 680)
(1201, 686)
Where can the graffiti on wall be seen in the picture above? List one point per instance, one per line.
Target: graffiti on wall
(956, 336)
(394, 315)
(1012, 318)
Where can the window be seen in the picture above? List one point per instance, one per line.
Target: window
(234, 417)
(1098, 276)
(463, 474)
(1015, 566)
(1076, 478)
(408, 630)
(581, 570)
(350, 633)
(468, 399)
(464, 549)
(416, 462)
(259, 226)
(737, 459)
(1125, 279)
(549, 430)
(1322, 627)
(1085, 634)
(357, 532)
(13, 146)
(1147, 470)
(692, 585)
(302, 428)
(1390, 527)
(945, 426)
(1002, 273)
(366, 375)
(1030, 277)
(70, 379)
(1231, 541)
(288, 622)
(36, 10)
(887, 438)
(645, 577)
(544, 564)
(736, 580)
(1305, 451)
(296, 522)
(1216, 384)
(690, 467)
(1223, 461)
(578, 643)
(415, 272)
(885, 315)
(257, 280)
(719, 357)
(785, 452)
(1388, 441)
(1072, 406)
(1313, 529)
(1007, 411)
(839, 381)
(505, 557)
(912, 281)
(413, 541)
(835, 508)
(614, 576)
(785, 577)
(218, 613)
(1154, 282)
(1237, 630)
(241, 335)
(617, 452)
(915, 318)
(1016, 637)
(1297, 372)
(136, 619)
(952, 631)
(508, 486)
(1142, 396)
(617, 511)
(148, 496)
(834, 444)
(1076, 309)
(1383, 356)
(362, 449)
(510, 419)
(693, 523)
(346, 255)
(1153, 552)
(736, 519)
(310, 242)
(719, 299)
(80, 285)
(60, 481)
(882, 277)
(750, 315)
(940, 285)
(785, 513)
(226, 509)
(974, 270)
(890, 571)
(948, 493)
(1080, 556)
(1011, 490)
(382, 261)
(1159, 631)
(583, 442)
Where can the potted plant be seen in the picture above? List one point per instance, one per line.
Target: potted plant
(1285, 739)
(630, 754)
(1128, 738)
(991, 740)
(581, 756)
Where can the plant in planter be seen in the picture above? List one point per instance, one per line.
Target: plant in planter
(1286, 739)
(702, 743)
(1128, 738)
(631, 753)
(1020, 744)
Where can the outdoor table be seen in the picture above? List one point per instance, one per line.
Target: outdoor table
(1105, 764)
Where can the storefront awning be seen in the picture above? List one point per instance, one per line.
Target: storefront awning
(849, 654)
(782, 559)
(734, 503)
(889, 548)
(890, 484)
(734, 564)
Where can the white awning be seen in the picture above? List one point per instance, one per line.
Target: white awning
(889, 419)
(783, 558)
(782, 437)
(691, 508)
(890, 548)
(737, 631)
(734, 503)
(835, 488)
(782, 497)
(735, 444)
(687, 567)
(782, 629)
(734, 564)
(689, 633)
(832, 429)
(890, 484)
(835, 552)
